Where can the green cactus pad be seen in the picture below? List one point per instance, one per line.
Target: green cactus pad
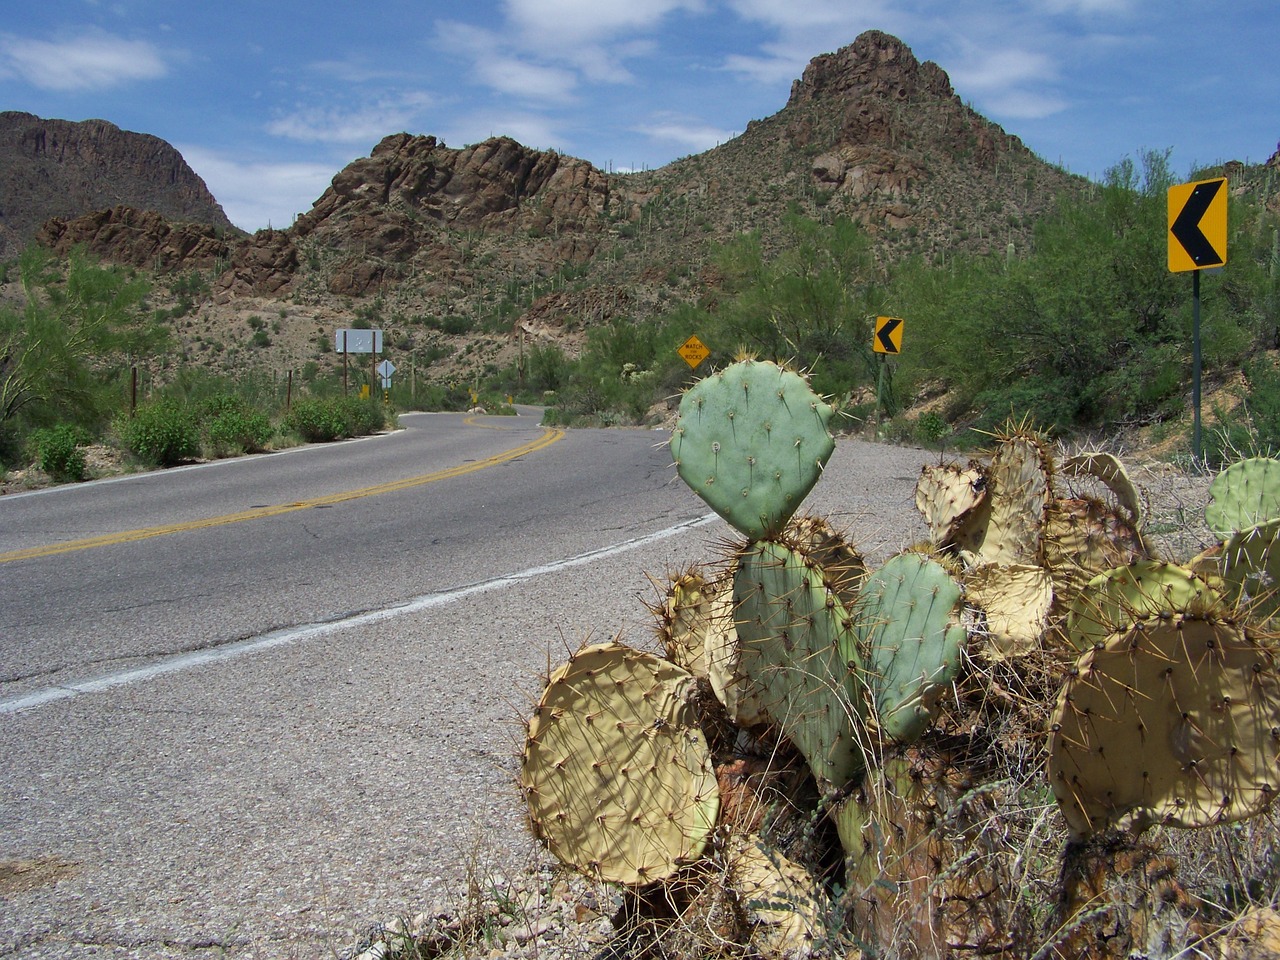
(1244, 495)
(751, 440)
(1016, 601)
(946, 494)
(909, 637)
(616, 772)
(1116, 599)
(1176, 721)
(1250, 565)
(796, 649)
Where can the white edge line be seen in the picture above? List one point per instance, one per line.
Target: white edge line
(310, 631)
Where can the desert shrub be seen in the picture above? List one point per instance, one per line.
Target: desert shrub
(161, 433)
(230, 426)
(318, 420)
(56, 450)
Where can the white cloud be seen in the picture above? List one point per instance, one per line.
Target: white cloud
(695, 137)
(998, 70)
(530, 129)
(364, 125)
(497, 66)
(256, 195)
(565, 25)
(90, 61)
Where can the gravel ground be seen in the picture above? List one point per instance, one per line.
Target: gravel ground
(530, 908)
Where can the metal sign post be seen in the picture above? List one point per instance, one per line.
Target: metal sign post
(1197, 239)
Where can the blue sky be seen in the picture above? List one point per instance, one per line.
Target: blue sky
(267, 100)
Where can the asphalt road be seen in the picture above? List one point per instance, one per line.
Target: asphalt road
(251, 708)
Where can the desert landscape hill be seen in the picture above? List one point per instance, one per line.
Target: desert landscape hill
(458, 253)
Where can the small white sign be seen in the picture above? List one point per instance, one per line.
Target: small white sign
(349, 340)
(385, 369)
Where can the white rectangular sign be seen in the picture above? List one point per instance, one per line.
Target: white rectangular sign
(357, 341)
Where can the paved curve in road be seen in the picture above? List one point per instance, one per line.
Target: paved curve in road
(257, 704)
(249, 709)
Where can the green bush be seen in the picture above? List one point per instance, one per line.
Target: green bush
(238, 431)
(56, 450)
(316, 420)
(231, 426)
(162, 433)
(319, 420)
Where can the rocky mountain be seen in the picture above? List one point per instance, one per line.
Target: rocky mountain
(501, 241)
(59, 168)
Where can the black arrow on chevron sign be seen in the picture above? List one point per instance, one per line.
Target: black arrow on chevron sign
(1186, 226)
(885, 335)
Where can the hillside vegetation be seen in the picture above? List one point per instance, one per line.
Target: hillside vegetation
(496, 271)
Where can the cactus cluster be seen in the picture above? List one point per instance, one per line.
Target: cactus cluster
(876, 704)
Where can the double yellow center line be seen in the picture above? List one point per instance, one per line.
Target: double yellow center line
(549, 436)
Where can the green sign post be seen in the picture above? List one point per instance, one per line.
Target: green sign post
(1197, 238)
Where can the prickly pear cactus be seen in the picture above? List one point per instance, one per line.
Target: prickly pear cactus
(926, 865)
(616, 772)
(751, 440)
(945, 494)
(1083, 538)
(907, 619)
(1016, 601)
(786, 906)
(685, 617)
(1250, 566)
(796, 651)
(1174, 721)
(1107, 469)
(1243, 495)
(843, 567)
(1006, 527)
(1116, 599)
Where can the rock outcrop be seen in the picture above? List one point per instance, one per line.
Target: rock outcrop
(140, 238)
(65, 169)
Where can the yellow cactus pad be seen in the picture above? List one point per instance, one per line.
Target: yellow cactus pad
(616, 772)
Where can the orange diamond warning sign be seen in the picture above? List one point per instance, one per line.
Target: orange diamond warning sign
(694, 351)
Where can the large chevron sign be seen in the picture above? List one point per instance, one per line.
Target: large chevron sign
(1198, 225)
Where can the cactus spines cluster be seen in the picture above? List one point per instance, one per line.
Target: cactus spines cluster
(751, 441)
(616, 771)
(1115, 599)
(1243, 495)
(1174, 721)
(907, 621)
(796, 652)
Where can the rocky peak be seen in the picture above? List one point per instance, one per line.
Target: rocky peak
(874, 65)
(61, 168)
